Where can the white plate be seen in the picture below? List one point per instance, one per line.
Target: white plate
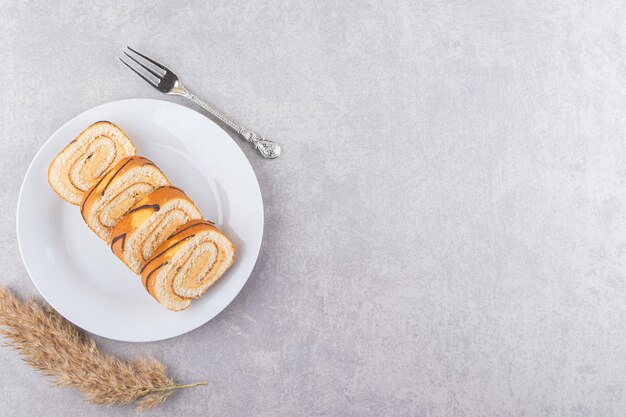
(78, 274)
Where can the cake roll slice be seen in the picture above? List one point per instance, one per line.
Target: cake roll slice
(116, 193)
(87, 158)
(149, 223)
(190, 261)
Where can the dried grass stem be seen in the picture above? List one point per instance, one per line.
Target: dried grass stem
(58, 349)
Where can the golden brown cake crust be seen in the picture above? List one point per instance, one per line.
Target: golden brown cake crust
(142, 210)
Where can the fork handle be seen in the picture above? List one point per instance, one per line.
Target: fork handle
(266, 147)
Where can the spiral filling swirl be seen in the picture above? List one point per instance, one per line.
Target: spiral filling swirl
(86, 159)
(161, 224)
(188, 268)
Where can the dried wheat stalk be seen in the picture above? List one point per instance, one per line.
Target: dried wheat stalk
(60, 350)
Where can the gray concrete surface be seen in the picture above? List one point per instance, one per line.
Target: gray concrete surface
(445, 232)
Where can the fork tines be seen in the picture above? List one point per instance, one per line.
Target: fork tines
(150, 70)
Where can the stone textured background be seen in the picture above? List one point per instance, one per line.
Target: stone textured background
(445, 232)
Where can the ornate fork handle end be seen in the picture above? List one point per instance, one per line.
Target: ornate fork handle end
(266, 147)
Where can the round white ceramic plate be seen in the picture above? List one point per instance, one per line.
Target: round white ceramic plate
(78, 274)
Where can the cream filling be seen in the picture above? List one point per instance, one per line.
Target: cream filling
(197, 265)
(120, 195)
(92, 162)
(80, 165)
(140, 245)
(211, 255)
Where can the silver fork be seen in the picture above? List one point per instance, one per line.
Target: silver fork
(166, 81)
